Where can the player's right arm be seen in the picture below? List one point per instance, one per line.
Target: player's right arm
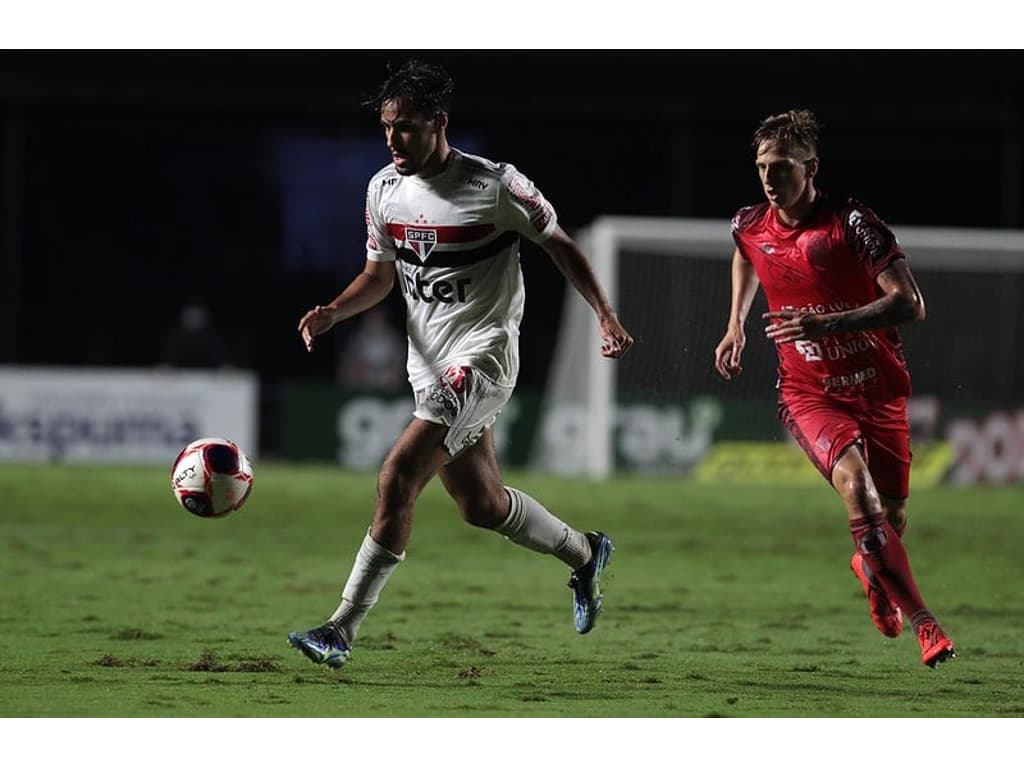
(744, 288)
(369, 288)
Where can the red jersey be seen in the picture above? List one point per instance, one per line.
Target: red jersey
(827, 264)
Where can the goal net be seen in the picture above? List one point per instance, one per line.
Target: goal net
(663, 406)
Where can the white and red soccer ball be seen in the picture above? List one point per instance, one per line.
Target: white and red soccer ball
(211, 477)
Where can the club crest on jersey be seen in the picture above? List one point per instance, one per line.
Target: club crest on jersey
(420, 241)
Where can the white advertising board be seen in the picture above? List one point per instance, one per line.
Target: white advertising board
(119, 415)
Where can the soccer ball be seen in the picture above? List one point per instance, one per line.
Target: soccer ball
(211, 477)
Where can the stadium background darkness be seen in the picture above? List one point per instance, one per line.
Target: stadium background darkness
(135, 182)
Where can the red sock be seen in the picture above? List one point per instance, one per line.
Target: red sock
(883, 551)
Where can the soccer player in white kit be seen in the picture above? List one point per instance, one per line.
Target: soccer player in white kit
(447, 225)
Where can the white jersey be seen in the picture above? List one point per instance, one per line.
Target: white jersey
(455, 237)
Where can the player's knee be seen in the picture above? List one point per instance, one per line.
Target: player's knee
(396, 485)
(855, 486)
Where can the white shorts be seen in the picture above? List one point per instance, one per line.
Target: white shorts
(465, 401)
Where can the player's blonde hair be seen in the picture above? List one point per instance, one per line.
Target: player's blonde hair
(796, 128)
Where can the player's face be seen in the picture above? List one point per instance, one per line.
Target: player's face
(412, 136)
(785, 173)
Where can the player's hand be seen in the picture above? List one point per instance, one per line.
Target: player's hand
(728, 353)
(318, 320)
(615, 340)
(786, 325)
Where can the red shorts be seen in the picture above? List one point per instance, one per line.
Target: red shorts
(826, 428)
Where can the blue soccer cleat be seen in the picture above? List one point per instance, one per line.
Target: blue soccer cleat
(586, 583)
(322, 645)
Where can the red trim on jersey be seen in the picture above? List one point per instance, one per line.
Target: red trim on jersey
(446, 234)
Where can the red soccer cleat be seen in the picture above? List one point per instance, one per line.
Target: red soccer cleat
(935, 646)
(885, 613)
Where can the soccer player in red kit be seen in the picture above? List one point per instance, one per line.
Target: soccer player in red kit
(837, 284)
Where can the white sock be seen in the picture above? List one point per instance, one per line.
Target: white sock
(530, 525)
(370, 572)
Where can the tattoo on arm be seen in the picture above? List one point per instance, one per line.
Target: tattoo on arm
(901, 302)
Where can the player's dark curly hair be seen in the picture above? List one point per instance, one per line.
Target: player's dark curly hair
(795, 128)
(427, 87)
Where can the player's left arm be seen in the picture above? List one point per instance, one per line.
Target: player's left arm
(571, 261)
(871, 240)
(901, 302)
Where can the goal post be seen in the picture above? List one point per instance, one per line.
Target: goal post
(669, 279)
(579, 413)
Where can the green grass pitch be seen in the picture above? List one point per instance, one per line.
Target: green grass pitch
(732, 602)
